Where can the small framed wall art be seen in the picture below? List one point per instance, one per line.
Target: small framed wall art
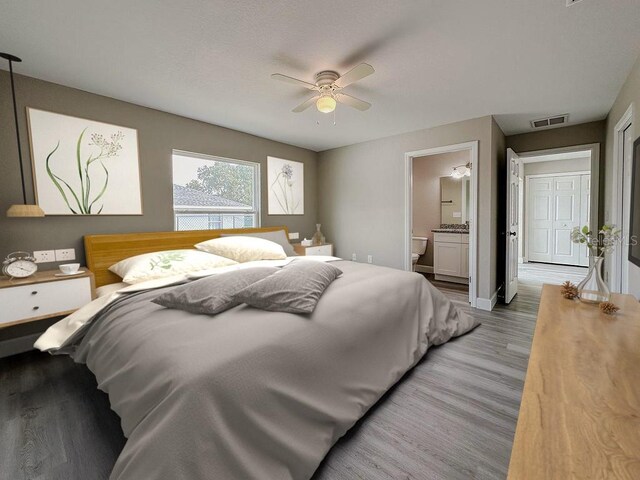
(285, 186)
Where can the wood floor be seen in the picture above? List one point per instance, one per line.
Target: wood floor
(451, 417)
(538, 273)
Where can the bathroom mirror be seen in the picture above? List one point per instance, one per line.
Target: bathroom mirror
(454, 200)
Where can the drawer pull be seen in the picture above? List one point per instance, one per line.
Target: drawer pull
(35, 292)
(36, 308)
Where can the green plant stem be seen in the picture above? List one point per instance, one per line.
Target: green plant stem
(56, 181)
(79, 162)
(276, 194)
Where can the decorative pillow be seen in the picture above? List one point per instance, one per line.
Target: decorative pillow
(277, 236)
(149, 266)
(212, 294)
(243, 249)
(296, 288)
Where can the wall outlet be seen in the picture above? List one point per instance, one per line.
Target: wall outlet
(65, 254)
(369, 258)
(354, 257)
(45, 256)
(294, 235)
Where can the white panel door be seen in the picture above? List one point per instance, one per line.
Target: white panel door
(555, 206)
(566, 216)
(540, 219)
(514, 167)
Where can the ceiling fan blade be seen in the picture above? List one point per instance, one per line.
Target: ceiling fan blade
(355, 74)
(306, 104)
(353, 102)
(293, 81)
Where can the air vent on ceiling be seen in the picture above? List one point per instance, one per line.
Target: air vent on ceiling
(553, 121)
(572, 2)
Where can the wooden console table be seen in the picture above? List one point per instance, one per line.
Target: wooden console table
(580, 411)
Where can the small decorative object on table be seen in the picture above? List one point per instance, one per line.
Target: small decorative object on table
(609, 308)
(593, 288)
(569, 290)
(19, 265)
(318, 237)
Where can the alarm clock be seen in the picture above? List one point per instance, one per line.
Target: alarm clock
(19, 265)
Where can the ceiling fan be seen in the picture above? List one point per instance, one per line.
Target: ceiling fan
(328, 88)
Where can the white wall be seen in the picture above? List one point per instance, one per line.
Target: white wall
(361, 194)
(629, 94)
(558, 166)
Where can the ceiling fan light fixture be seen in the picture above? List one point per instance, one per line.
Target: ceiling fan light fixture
(326, 104)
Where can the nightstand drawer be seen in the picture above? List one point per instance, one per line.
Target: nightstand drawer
(43, 299)
(319, 250)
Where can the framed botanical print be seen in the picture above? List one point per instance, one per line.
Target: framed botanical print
(285, 186)
(84, 167)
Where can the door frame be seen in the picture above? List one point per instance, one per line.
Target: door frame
(619, 267)
(594, 148)
(527, 203)
(472, 147)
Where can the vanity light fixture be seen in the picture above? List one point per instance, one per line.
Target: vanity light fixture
(461, 171)
(24, 209)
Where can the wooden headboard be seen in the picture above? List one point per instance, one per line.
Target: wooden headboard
(102, 251)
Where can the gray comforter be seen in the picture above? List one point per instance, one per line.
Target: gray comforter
(250, 394)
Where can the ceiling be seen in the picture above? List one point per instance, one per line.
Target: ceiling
(436, 62)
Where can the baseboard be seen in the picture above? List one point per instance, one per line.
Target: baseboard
(14, 346)
(487, 303)
(424, 268)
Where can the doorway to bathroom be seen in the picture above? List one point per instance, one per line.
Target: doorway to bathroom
(441, 207)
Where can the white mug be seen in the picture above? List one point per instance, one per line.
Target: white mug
(69, 268)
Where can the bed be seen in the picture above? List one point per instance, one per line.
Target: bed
(247, 393)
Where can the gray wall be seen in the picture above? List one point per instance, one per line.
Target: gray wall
(158, 134)
(361, 194)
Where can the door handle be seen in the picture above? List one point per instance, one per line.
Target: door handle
(513, 234)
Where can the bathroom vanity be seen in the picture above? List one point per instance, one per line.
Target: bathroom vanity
(451, 255)
(451, 240)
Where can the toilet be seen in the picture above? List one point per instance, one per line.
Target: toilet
(418, 247)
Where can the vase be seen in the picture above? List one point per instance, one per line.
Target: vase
(593, 288)
(318, 237)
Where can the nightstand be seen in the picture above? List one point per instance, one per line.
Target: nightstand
(43, 295)
(324, 249)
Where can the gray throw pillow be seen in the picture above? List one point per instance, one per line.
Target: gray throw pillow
(277, 236)
(214, 294)
(296, 288)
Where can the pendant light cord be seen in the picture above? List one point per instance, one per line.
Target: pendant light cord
(15, 117)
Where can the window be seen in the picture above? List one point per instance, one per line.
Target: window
(211, 193)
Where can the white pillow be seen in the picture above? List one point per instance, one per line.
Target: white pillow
(167, 263)
(243, 249)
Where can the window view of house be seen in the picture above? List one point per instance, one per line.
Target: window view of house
(214, 193)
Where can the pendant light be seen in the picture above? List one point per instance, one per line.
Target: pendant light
(24, 209)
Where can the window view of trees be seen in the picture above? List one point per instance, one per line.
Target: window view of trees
(210, 193)
(227, 180)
